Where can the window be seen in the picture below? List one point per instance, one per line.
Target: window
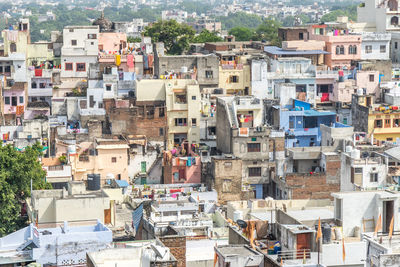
(371, 78)
(92, 36)
(13, 47)
(73, 42)
(383, 48)
(387, 123)
(253, 147)
(21, 100)
(108, 87)
(7, 100)
(113, 159)
(91, 101)
(161, 131)
(80, 66)
(161, 112)
(42, 85)
(373, 177)
(342, 50)
(34, 85)
(358, 170)
(395, 45)
(180, 98)
(368, 49)
(180, 122)
(68, 66)
(352, 49)
(71, 30)
(209, 74)
(396, 122)
(394, 21)
(14, 101)
(194, 122)
(254, 171)
(193, 97)
(7, 69)
(234, 79)
(337, 50)
(228, 165)
(378, 123)
(227, 186)
(301, 36)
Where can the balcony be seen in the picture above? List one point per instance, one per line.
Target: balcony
(58, 173)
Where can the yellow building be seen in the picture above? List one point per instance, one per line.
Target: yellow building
(183, 103)
(234, 74)
(384, 125)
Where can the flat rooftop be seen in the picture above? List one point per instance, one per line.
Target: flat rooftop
(231, 250)
(311, 214)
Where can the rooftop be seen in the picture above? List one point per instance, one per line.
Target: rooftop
(274, 50)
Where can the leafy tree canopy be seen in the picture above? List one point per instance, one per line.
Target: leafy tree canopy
(176, 37)
(17, 169)
(350, 12)
(242, 33)
(207, 36)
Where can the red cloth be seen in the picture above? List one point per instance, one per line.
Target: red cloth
(325, 97)
(38, 72)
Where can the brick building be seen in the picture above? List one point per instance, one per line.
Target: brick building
(133, 117)
(293, 33)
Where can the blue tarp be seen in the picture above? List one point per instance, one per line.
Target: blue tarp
(137, 215)
(122, 183)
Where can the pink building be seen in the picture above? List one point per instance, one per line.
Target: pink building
(342, 46)
(14, 100)
(178, 170)
(112, 42)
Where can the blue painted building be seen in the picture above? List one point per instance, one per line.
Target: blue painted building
(301, 124)
(63, 245)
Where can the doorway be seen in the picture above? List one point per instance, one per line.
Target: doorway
(388, 211)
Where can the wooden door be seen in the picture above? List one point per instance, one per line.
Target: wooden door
(303, 243)
(107, 216)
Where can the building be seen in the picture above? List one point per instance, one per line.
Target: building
(133, 255)
(80, 49)
(379, 121)
(183, 117)
(242, 133)
(234, 73)
(311, 49)
(178, 15)
(342, 46)
(384, 16)
(238, 256)
(301, 123)
(203, 68)
(47, 207)
(375, 46)
(63, 244)
(293, 33)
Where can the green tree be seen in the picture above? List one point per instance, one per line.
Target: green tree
(350, 12)
(131, 39)
(207, 36)
(268, 31)
(17, 169)
(242, 33)
(239, 19)
(176, 37)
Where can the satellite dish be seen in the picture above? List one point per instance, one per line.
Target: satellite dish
(241, 223)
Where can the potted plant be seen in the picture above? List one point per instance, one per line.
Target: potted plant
(63, 159)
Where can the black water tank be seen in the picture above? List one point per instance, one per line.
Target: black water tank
(93, 181)
(326, 233)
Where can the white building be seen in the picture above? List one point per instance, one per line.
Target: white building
(385, 15)
(375, 46)
(395, 47)
(360, 173)
(179, 16)
(80, 48)
(259, 84)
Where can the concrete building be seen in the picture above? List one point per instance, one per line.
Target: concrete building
(144, 253)
(203, 68)
(352, 208)
(64, 244)
(375, 46)
(80, 49)
(206, 24)
(178, 15)
(342, 46)
(383, 250)
(242, 133)
(234, 73)
(379, 121)
(238, 256)
(383, 15)
(311, 49)
(47, 207)
(293, 33)
(301, 123)
(183, 117)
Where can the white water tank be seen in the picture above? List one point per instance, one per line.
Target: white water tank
(237, 215)
(355, 154)
(349, 149)
(360, 91)
(184, 69)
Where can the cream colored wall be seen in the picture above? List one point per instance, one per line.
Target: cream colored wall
(150, 90)
(114, 194)
(190, 111)
(39, 51)
(244, 78)
(22, 43)
(46, 210)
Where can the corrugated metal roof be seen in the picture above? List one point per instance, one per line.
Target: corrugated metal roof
(394, 153)
(313, 113)
(279, 51)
